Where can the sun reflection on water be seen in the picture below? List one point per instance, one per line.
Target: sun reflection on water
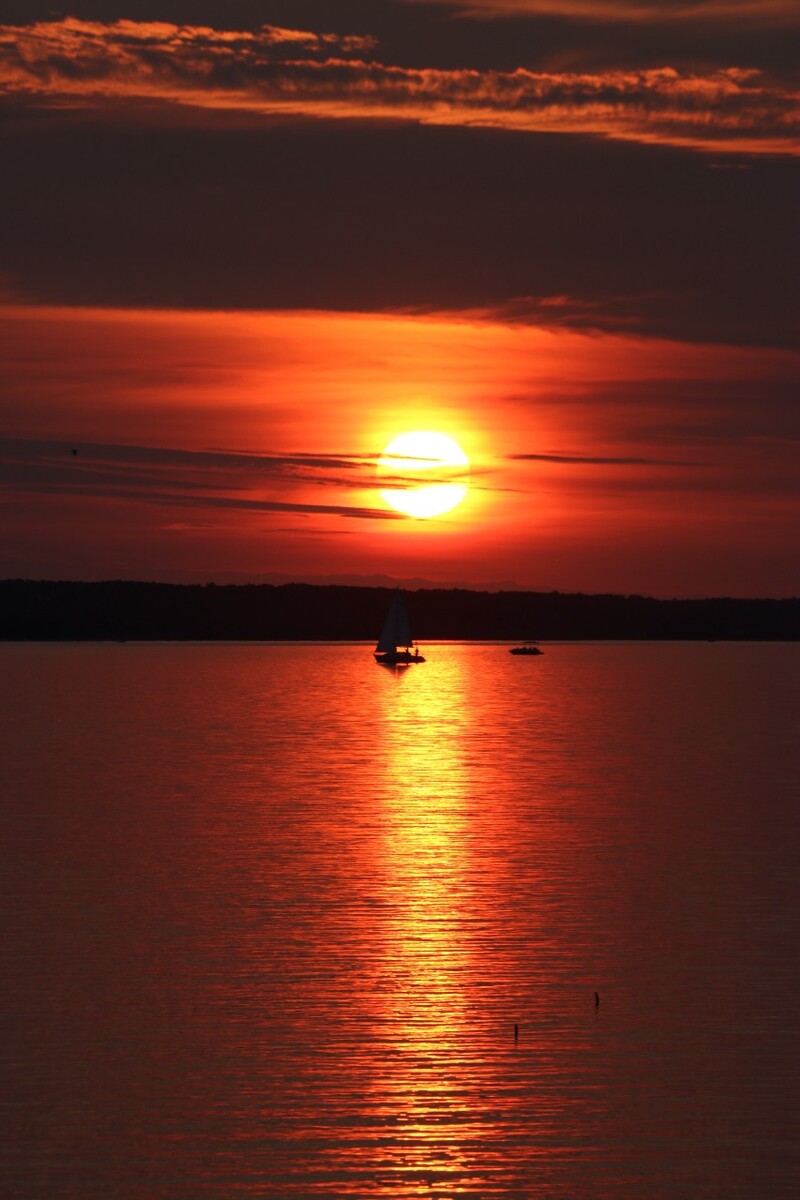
(430, 1064)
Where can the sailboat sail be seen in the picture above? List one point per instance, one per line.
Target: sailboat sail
(396, 631)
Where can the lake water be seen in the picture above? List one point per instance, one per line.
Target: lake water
(271, 914)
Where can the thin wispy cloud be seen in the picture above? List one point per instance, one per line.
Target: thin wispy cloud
(286, 71)
(590, 460)
(783, 13)
(201, 479)
(240, 503)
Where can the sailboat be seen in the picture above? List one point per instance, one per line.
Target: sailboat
(395, 645)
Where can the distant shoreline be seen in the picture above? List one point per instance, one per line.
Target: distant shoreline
(55, 611)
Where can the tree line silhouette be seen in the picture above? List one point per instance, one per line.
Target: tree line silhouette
(34, 610)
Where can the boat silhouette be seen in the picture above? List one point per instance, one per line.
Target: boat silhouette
(395, 645)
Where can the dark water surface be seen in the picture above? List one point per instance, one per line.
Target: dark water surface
(270, 914)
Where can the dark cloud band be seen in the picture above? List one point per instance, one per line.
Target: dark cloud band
(274, 70)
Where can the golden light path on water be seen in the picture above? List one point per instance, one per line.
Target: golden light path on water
(445, 1073)
(424, 1010)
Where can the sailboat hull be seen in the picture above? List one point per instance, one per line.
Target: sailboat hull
(394, 658)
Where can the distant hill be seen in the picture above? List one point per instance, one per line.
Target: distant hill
(408, 584)
(33, 610)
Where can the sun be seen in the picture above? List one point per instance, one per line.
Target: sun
(412, 459)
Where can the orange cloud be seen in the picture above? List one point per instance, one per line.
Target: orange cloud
(287, 71)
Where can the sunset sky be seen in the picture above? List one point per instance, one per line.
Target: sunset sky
(244, 245)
